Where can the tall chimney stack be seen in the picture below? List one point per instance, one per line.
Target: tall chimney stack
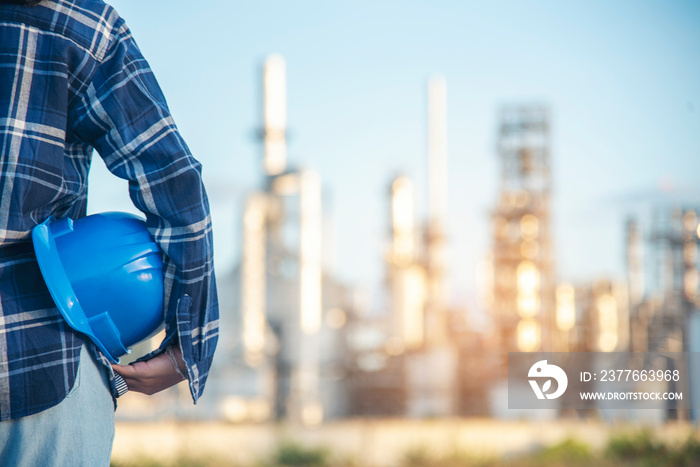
(436, 313)
(274, 115)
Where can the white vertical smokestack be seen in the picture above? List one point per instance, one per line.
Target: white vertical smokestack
(306, 375)
(407, 278)
(310, 252)
(274, 115)
(253, 280)
(436, 318)
(437, 151)
(402, 221)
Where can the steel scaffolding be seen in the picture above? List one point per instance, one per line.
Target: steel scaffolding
(523, 267)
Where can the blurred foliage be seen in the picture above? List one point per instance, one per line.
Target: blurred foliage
(569, 452)
(291, 454)
(421, 457)
(643, 449)
(183, 460)
(296, 455)
(637, 449)
(639, 446)
(628, 449)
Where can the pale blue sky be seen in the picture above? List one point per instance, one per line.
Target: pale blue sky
(622, 80)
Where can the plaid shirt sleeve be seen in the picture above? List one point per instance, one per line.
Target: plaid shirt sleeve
(122, 113)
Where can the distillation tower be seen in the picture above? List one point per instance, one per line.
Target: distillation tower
(416, 266)
(416, 256)
(664, 294)
(523, 269)
(662, 279)
(675, 236)
(281, 270)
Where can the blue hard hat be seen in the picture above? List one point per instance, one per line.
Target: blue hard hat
(105, 274)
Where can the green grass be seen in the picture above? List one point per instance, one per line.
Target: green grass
(295, 455)
(183, 460)
(569, 453)
(643, 449)
(626, 449)
(632, 449)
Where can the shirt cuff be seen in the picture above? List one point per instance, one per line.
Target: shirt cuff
(120, 386)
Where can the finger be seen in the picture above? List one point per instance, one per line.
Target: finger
(126, 371)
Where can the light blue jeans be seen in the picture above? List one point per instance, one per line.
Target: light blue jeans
(77, 432)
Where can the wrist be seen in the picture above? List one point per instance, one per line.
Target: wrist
(177, 361)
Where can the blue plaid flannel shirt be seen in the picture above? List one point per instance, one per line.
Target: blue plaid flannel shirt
(73, 79)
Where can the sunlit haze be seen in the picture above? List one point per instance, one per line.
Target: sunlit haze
(621, 79)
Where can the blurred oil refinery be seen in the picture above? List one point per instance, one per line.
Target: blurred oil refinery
(298, 344)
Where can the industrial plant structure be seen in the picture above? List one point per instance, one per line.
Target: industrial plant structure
(523, 263)
(294, 345)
